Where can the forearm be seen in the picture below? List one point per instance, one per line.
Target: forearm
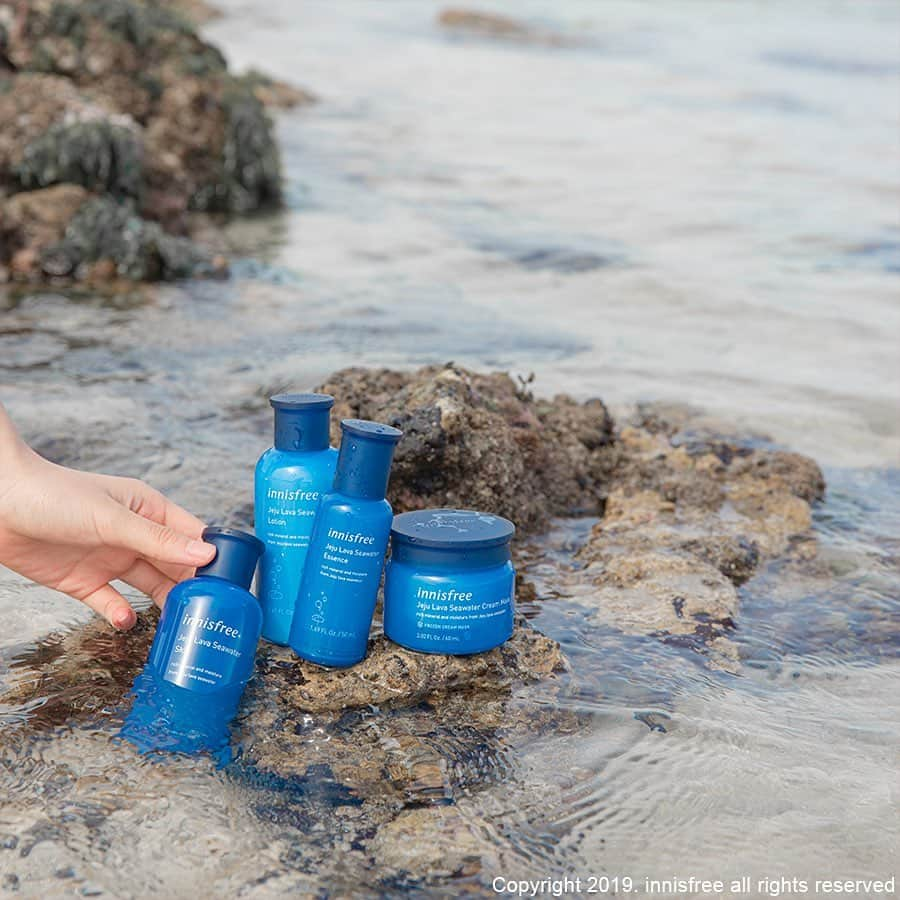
(14, 457)
(13, 450)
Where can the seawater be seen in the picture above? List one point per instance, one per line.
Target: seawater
(691, 202)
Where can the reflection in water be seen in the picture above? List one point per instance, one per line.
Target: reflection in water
(652, 211)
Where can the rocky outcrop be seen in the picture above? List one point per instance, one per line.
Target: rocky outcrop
(483, 442)
(687, 513)
(124, 99)
(690, 515)
(391, 675)
(689, 510)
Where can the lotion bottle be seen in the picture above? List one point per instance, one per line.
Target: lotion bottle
(337, 593)
(290, 478)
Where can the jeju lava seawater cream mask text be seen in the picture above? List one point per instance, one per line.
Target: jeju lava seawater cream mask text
(202, 654)
(449, 586)
(290, 478)
(346, 554)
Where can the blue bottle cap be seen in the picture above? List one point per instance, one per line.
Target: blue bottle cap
(237, 554)
(302, 421)
(364, 460)
(464, 538)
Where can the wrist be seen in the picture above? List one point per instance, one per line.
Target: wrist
(16, 457)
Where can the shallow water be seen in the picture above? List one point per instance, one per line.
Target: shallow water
(696, 203)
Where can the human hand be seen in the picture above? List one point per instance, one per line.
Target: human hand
(76, 532)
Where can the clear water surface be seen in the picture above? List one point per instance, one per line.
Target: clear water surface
(696, 201)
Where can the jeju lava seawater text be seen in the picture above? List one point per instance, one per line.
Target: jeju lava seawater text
(337, 593)
(449, 586)
(290, 479)
(202, 654)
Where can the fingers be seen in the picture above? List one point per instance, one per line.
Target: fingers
(154, 541)
(144, 521)
(109, 603)
(176, 573)
(149, 580)
(148, 502)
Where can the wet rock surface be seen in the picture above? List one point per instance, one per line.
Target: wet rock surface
(124, 99)
(689, 509)
(482, 441)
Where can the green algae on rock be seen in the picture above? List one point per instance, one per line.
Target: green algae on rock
(103, 230)
(99, 156)
(123, 98)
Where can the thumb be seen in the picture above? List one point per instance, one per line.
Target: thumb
(160, 542)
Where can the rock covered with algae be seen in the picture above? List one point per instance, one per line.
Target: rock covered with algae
(691, 514)
(124, 99)
(386, 760)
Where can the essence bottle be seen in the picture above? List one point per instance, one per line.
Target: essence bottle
(290, 478)
(337, 593)
(202, 654)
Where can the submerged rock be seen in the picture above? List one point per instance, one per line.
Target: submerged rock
(686, 523)
(396, 729)
(276, 94)
(123, 98)
(477, 23)
(492, 24)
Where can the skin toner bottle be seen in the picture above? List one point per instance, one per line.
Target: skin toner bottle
(290, 479)
(346, 554)
(202, 654)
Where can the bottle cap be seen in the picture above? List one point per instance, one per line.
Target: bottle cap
(301, 421)
(364, 461)
(463, 538)
(237, 554)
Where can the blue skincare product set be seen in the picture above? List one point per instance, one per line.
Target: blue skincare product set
(323, 526)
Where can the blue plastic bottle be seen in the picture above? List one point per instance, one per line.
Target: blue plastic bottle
(346, 554)
(202, 654)
(290, 479)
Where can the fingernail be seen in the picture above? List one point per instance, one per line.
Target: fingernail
(200, 550)
(124, 620)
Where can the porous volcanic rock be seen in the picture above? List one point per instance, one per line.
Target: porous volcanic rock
(689, 510)
(124, 99)
(483, 442)
(690, 515)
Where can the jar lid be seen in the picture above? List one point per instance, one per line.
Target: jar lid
(297, 402)
(452, 529)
